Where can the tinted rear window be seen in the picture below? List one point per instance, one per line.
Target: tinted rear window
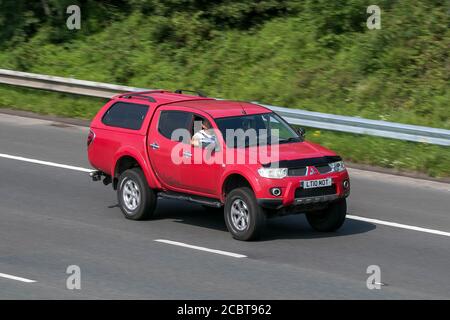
(169, 121)
(126, 115)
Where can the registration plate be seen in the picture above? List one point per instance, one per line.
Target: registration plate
(316, 183)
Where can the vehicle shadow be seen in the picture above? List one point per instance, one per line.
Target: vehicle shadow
(287, 227)
(297, 227)
(184, 212)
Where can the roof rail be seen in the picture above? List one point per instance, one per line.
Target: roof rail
(150, 91)
(199, 93)
(138, 96)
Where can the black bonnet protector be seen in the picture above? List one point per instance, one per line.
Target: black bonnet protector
(301, 163)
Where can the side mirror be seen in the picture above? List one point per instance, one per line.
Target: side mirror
(301, 132)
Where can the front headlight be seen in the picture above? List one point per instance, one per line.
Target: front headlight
(337, 166)
(273, 173)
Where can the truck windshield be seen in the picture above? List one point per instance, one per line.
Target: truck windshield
(258, 129)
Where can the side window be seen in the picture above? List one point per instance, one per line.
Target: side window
(197, 124)
(169, 121)
(203, 133)
(125, 115)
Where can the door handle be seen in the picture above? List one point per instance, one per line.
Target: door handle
(187, 154)
(154, 145)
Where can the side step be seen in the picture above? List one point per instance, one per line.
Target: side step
(210, 202)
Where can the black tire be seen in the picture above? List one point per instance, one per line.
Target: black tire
(329, 219)
(146, 204)
(256, 219)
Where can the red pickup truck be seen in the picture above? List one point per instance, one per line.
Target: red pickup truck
(234, 156)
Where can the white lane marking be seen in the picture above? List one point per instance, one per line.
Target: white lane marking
(399, 180)
(181, 244)
(376, 221)
(8, 276)
(45, 163)
(399, 225)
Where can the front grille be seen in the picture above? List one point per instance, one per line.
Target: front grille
(297, 172)
(323, 169)
(315, 192)
(301, 172)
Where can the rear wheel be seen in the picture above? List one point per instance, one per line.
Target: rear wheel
(244, 218)
(136, 200)
(329, 219)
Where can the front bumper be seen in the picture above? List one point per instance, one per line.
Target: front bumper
(299, 205)
(292, 195)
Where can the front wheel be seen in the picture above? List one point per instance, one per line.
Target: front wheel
(244, 218)
(136, 200)
(329, 219)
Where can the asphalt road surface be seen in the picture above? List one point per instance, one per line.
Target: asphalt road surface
(53, 217)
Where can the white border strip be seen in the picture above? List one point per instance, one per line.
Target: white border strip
(399, 225)
(181, 244)
(45, 163)
(11, 277)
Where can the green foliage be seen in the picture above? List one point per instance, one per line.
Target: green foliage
(51, 103)
(21, 19)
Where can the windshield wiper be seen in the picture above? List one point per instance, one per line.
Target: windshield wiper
(291, 139)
